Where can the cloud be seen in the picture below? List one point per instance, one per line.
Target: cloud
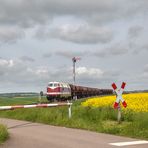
(146, 68)
(101, 28)
(17, 72)
(89, 72)
(70, 54)
(137, 39)
(41, 11)
(16, 75)
(24, 14)
(78, 33)
(135, 31)
(118, 49)
(10, 34)
(47, 55)
(9, 68)
(145, 47)
(143, 77)
(27, 59)
(96, 77)
(101, 53)
(114, 50)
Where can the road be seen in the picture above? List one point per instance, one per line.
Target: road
(25, 134)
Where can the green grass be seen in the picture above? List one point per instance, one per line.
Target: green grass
(3, 133)
(94, 119)
(20, 100)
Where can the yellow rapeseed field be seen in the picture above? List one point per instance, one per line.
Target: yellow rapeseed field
(137, 102)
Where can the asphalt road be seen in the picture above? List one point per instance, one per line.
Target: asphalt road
(25, 134)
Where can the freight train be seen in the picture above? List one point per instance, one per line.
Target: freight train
(64, 91)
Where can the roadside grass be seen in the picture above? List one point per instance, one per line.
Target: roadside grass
(102, 119)
(3, 133)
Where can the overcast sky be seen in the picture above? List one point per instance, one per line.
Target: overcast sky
(38, 39)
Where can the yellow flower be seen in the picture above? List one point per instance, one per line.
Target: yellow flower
(137, 102)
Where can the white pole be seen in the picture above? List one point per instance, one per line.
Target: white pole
(119, 114)
(69, 111)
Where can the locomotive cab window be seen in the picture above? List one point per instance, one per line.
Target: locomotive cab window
(50, 84)
(56, 84)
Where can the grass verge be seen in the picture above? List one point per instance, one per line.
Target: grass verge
(3, 133)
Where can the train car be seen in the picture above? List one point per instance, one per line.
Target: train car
(81, 91)
(64, 91)
(106, 91)
(58, 91)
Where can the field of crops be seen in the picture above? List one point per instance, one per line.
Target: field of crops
(137, 102)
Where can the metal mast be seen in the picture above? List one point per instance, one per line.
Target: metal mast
(74, 59)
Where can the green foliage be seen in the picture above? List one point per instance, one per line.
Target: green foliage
(138, 127)
(95, 119)
(3, 133)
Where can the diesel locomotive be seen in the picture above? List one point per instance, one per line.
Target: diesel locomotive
(65, 91)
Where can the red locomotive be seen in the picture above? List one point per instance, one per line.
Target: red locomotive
(57, 90)
(64, 91)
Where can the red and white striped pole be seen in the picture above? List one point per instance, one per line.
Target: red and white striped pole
(38, 106)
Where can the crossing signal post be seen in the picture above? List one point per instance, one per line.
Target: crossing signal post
(119, 99)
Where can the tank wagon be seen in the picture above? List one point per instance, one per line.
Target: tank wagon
(65, 91)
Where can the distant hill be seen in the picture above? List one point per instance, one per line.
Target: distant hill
(136, 91)
(19, 94)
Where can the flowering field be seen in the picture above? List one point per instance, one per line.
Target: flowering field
(137, 102)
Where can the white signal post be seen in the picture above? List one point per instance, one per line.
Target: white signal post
(119, 98)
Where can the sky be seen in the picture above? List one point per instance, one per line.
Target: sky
(39, 38)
